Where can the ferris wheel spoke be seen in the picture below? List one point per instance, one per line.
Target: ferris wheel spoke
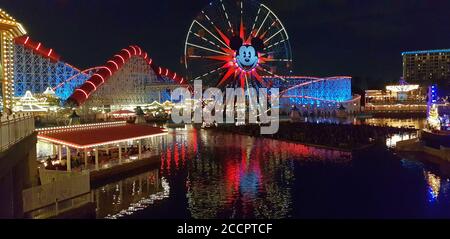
(209, 73)
(275, 44)
(224, 38)
(270, 27)
(220, 58)
(226, 76)
(256, 20)
(217, 38)
(206, 40)
(267, 80)
(264, 21)
(270, 38)
(259, 78)
(226, 16)
(275, 59)
(207, 49)
(216, 57)
(246, 83)
(270, 73)
(242, 79)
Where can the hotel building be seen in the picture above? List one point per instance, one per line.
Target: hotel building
(427, 67)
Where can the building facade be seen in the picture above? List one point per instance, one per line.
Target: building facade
(9, 29)
(397, 98)
(427, 67)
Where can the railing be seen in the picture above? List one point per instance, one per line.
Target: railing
(395, 108)
(115, 162)
(62, 193)
(14, 128)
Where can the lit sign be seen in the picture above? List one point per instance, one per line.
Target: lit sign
(402, 88)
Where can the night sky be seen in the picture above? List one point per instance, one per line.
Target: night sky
(360, 38)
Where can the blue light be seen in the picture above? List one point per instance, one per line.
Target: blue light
(425, 52)
(318, 93)
(35, 73)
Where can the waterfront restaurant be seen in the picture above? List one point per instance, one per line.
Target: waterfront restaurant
(397, 98)
(113, 143)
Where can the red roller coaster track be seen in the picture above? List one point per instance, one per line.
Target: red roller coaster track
(37, 48)
(82, 93)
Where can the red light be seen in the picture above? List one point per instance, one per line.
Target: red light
(129, 54)
(134, 49)
(49, 52)
(84, 92)
(110, 72)
(123, 60)
(167, 72)
(26, 40)
(174, 76)
(159, 70)
(38, 46)
(95, 87)
(117, 66)
(101, 77)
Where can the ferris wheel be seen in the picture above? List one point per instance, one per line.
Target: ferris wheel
(237, 43)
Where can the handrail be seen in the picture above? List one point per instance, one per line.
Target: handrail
(14, 128)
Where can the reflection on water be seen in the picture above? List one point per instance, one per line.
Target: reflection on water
(207, 174)
(438, 187)
(127, 196)
(436, 190)
(416, 123)
(237, 176)
(434, 185)
(391, 141)
(228, 176)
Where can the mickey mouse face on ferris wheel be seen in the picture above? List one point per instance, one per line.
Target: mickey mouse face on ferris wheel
(246, 54)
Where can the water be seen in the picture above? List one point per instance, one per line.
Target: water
(206, 174)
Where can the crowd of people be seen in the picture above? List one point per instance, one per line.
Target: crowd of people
(346, 136)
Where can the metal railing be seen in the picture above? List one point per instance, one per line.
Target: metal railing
(14, 128)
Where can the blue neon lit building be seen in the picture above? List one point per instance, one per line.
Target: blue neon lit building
(34, 72)
(313, 93)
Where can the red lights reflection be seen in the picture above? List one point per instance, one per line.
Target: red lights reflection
(229, 173)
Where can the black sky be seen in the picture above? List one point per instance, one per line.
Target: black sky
(328, 37)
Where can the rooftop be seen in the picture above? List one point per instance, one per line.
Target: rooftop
(93, 135)
(425, 51)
